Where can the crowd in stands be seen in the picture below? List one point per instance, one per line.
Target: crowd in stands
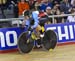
(48, 7)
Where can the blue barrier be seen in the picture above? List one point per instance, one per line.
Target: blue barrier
(9, 36)
(65, 31)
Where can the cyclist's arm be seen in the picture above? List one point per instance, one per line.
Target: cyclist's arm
(35, 17)
(35, 25)
(26, 23)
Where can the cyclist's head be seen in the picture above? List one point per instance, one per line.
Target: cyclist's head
(26, 13)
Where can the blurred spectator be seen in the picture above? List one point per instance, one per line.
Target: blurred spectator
(56, 1)
(56, 11)
(37, 5)
(73, 3)
(31, 2)
(15, 10)
(44, 16)
(69, 1)
(71, 18)
(48, 13)
(22, 6)
(55, 8)
(2, 7)
(9, 2)
(64, 6)
(3, 3)
(44, 4)
(11, 5)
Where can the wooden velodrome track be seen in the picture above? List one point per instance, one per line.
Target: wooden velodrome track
(60, 53)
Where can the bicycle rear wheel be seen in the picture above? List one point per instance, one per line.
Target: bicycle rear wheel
(25, 43)
(49, 40)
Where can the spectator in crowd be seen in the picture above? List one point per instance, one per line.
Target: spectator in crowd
(12, 5)
(56, 7)
(37, 5)
(64, 6)
(9, 2)
(44, 16)
(48, 13)
(71, 18)
(56, 1)
(3, 3)
(15, 7)
(2, 7)
(73, 3)
(56, 11)
(22, 6)
(44, 4)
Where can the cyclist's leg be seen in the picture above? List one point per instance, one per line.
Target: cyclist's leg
(37, 32)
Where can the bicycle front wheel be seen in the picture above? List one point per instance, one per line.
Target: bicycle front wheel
(25, 43)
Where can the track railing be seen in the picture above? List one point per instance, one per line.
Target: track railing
(52, 16)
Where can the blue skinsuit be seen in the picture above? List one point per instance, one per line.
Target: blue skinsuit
(36, 21)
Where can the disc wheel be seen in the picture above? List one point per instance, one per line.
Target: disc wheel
(25, 43)
(49, 40)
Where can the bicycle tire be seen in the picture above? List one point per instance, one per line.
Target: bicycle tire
(23, 46)
(49, 40)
